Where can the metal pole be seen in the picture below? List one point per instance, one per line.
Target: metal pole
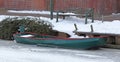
(51, 9)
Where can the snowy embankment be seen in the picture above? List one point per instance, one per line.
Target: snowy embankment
(30, 12)
(14, 52)
(67, 25)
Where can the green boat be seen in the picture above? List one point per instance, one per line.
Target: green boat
(46, 40)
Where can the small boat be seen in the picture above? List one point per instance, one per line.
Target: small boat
(47, 40)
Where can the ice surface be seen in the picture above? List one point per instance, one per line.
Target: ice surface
(15, 52)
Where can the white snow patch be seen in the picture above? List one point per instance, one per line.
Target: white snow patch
(30, 12)
(26, 35)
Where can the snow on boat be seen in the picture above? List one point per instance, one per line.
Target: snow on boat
(75, 43)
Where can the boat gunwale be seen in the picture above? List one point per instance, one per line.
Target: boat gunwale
(54, 37)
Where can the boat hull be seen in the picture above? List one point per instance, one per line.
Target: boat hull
(74, 43)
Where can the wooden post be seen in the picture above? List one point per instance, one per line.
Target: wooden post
(92, 15)
(102, 18)
(51, 8)
(87, 12)
(75, 27)
(63, 15)
(86, 16)
(57, 16)
(91, 28)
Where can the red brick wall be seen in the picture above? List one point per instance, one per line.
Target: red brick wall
(25, 4)
(1, 3)
(100, 6)
(118, 6)
(18, 4)
(105, 6)
(39, 4)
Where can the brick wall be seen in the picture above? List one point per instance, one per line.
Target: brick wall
(118, 6)
(25, 4)
(18, 4)
(39, 4)
(1, 3)
(100, 6)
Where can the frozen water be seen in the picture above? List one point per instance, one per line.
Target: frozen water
(15, 52)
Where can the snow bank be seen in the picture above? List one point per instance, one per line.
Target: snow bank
(67, 25)
(31, 12)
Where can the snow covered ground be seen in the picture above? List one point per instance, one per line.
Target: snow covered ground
(14, 52)
(31, 12)
(67, 25)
